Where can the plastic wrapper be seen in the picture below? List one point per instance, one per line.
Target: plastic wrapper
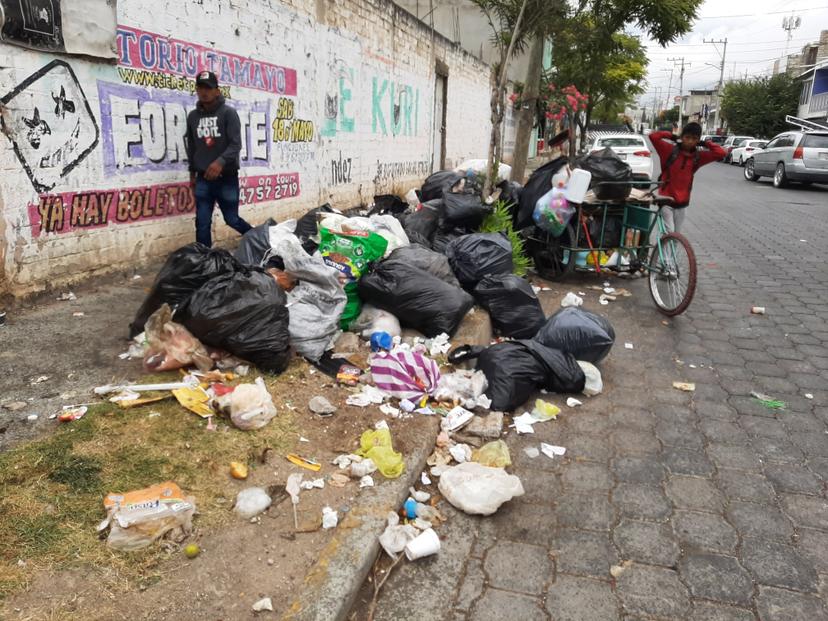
(184, 271)
(255, 250)
(585, 335)
(477, 489)
(243, 313)
(171, 346)
(477, 255)
(351, 254)
(251, 502)
(493, 454)
(466, 387)
(251, 406)
(432, 262)
(418, 299)
(376, 445)
(404, 374)
(512, 305)
(315, 304)
(138, 518)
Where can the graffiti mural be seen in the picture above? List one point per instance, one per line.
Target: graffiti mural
(154, 53)
(287, 128)
(395, 108)
(74, 211)
(339, 104)
(143, 129)
(341, 170)
(388, 171)
(50, 123)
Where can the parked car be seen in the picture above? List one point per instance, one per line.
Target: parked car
(747, 148)
(731, 143)
(632, 148)
(713, 138)
(791, 156)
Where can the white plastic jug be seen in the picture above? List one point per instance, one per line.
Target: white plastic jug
(578, 185)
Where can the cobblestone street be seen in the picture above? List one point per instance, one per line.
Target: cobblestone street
(673, 505)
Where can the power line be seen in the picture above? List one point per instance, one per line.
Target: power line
(818, 8)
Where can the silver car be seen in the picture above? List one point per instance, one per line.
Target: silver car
(791, 156)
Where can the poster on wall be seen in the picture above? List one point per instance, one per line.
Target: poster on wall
(60, 26)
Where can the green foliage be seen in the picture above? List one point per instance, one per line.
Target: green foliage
(500, 221)
(670, 116)
(758, 107)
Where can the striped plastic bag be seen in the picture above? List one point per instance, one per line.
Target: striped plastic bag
(405, 374)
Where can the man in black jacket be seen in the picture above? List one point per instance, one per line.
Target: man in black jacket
(213, 142)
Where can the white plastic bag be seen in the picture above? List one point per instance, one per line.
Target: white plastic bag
(251, 406)
(373, 319)
(395, 537)
(477, 489)
(504, 171)
(594, 384)
(251, 502)
(315, 304)
(571, 299)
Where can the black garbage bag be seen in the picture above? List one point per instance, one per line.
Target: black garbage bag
(244, 313)
(255, 246)
(418, 299)
(585, 335)
(474, 256)
(420, 225)
(512, 304)
(517, 369)
(445, 235)
(434, 185)
(539, 183)
(388, 204)
(184, 271)
(606, 166)
(432, 262)
(510, 192)
(307, 226)
(464, 209)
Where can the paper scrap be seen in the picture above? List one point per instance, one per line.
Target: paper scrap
(552, 451)
(424, 479)
(573, 402)
(366, 481)
(685, 386)
(628, 346)
(531, 452)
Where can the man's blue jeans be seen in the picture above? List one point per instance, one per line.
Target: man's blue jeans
(225, 192)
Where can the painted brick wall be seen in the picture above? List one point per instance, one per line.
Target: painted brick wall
(336, 99)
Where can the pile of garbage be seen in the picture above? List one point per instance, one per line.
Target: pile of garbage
(296, 286)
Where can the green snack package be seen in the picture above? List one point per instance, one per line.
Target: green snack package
(351, 254)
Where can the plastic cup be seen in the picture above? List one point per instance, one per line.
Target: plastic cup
(424, 544)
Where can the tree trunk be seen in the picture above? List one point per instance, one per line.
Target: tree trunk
(497, 102)
(526, 115)
(585, 126)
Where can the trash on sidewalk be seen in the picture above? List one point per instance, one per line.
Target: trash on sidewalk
(71, 413)
(552, 451)
(571, 300)
(531, 452)
(461, 453)
(757, 310)
(456, 418)
(171, 346)
(304, 462)
(544, 410)
(494, 454)
(477, 255)
(477, 489)
(366, 481)
(424, 544)
(330, 518)
(373, 319)
(251, 406)
(684, 386)
(238, 470)
(404, 374)
(593, 384)
(190, 381)
(768, 401)
(572, 402)
(196, 400)
(396, 536)
(251, 502)
(321, 406)
(14, 406)
(376, 445)
(585, 335)
(513, 306)
(138, 518)
(368, 395)
(292, 487)
(67, 297)
(263, 604)
(463, 386)
(629, 345)
(808, 395)
(487, 427)
(314, 484)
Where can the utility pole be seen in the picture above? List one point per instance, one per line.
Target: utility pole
(681, 85)
(721, 80)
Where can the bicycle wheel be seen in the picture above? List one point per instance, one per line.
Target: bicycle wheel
(551, 259)
(673, 274)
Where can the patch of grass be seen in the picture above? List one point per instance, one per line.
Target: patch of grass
(51, 490)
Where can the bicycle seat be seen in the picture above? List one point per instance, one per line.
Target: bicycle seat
(661, 200)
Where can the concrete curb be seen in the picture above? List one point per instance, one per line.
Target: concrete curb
(332, 585)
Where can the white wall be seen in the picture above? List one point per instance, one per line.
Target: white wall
(351, 82)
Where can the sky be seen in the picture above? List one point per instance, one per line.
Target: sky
(755, 38)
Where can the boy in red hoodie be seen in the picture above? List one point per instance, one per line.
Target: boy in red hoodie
(679, 162)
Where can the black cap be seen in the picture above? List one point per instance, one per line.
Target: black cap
(207, 78)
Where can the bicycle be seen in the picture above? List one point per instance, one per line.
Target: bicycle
(627, 227)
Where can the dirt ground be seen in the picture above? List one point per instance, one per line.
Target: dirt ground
(241, 562)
